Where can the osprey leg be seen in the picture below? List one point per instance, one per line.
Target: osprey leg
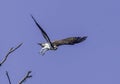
(43, 50)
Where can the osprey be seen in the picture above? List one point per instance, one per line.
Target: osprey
(54, 44)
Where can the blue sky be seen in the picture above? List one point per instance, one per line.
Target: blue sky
(95, 61)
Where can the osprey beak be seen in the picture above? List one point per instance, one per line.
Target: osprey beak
(40, 44)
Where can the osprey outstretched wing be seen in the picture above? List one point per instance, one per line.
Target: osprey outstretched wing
(43, 32)
(69, 41)
(54, 45)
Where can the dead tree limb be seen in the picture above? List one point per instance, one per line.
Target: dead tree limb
(9, 52)
(8, 77)
(25, 77)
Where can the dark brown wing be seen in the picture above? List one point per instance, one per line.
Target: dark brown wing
(69, 41)
(43, 32)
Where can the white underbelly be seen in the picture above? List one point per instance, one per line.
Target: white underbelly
(47, 46)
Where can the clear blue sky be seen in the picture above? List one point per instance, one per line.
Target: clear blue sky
(95, 61)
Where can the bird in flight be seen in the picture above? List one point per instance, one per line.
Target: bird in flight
(53, 45)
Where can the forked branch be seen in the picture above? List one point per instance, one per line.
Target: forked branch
(9, 52)
(25, 77)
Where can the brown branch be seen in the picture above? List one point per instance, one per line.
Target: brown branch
(9, 52)
(26, 77)
(8, 77)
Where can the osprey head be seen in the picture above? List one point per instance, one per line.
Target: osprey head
(41, 44)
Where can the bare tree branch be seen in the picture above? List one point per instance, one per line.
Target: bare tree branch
(9, 52)
(26, 77)
(8, 77)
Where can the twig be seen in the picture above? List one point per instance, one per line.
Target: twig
(9, 52)
(26, 77)
(8, 77)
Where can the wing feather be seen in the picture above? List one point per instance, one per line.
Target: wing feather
(69, 41)
(43, 32)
